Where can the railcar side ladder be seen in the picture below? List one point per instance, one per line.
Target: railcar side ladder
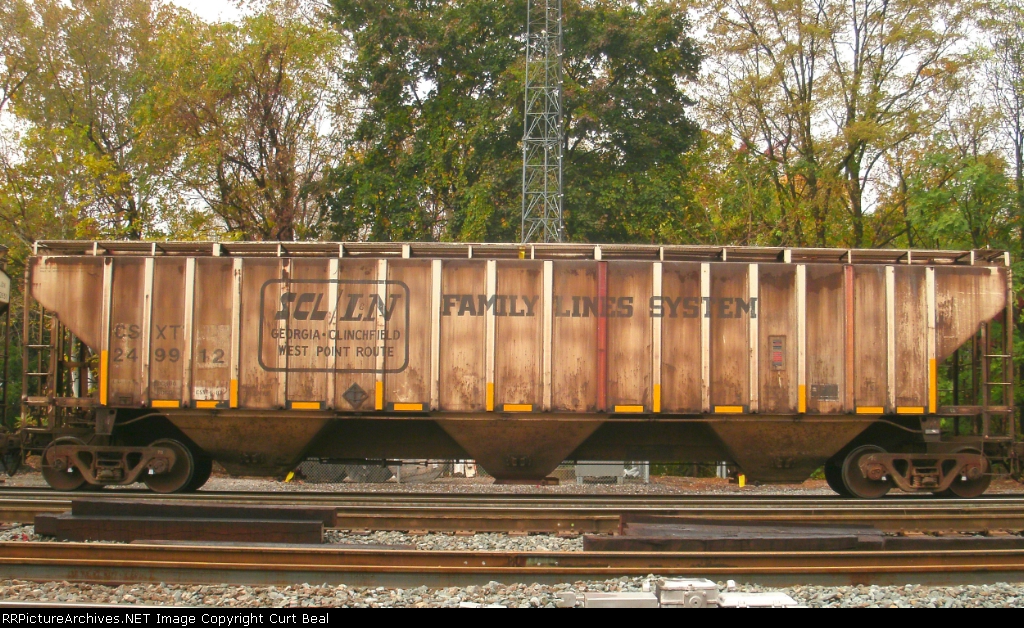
(997, 400)
(39, 368)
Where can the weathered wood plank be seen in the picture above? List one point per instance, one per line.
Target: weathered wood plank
(126, 324)
(407, 379)
(776, 311)
(680, 310)
(826, 313)
(126, 529)
(869, 337)
(574, 337)
(176, 510)
(167, 330)
(463, 330)
(519, 328)
(911, 338)
(728, 311)
(629, 334)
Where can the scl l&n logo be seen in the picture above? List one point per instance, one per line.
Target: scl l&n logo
(301, 312)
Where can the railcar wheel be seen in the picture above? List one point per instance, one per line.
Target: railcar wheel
(62, 479)
(967, 489)
(177, 479)
(834, 479)
(204, 467)
(854, 480)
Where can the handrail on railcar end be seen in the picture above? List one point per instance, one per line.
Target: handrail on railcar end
(552, 251)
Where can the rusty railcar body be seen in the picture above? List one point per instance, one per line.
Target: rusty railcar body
(164, 356)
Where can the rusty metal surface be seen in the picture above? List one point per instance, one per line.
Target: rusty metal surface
(518, 376)
(785, 450)
(211, 331)
(289, 565)
(778, 318)
(67, 527)
(911, 345)
(560, 513)
(253, 445)
(463, 338)
(113, 465)
(679, 355)
(63, 286)
(730, 375)
(300, 334)
(944, 468)
(452, 250)
(180, 509)
(964, 295)
(519, 450)
(826, 365)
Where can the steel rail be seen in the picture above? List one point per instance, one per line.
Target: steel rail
(559, 513)
(286, 565)
(412, 496)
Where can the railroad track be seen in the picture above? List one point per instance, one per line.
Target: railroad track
(260, 565)
(574, 513)
(256, 564)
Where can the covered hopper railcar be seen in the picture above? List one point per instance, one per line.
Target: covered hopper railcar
(148, 361)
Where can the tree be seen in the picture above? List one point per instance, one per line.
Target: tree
(955, 191)
(1006, 78)
(16, 66)
(888, 57)
(627, 129)
(949, 189)
(17, 59)
(767, 88)
(87, 110)
(259, 115)
(826, 88)
(437, 155)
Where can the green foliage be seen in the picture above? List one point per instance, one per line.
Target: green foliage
(436, 154)
(90, 139)
(960, 202)
(687, 470)
(256, 111)
(820, 91)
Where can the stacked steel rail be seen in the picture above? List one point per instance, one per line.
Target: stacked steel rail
(577, 514)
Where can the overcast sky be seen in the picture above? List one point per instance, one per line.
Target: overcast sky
(211, 10)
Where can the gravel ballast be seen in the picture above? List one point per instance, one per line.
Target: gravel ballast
(488, 541)
(484, 541)
(1000, 595)
(659, 485)
(493, 594)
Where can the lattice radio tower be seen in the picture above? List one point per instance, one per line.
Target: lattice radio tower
(542, 129)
